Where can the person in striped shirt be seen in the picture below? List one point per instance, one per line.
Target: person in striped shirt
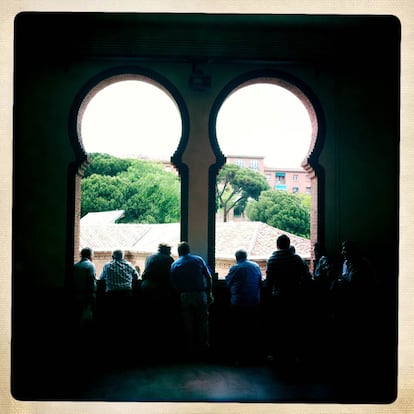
(119, 306)
(119, 274)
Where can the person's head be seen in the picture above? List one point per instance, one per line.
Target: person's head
(241, 255)
(117, 254)
(183, 248)
(349, 250)
(86, 253)
(283, 242)
(164, 248)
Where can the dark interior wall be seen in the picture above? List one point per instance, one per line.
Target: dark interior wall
(349, 65)
(362, 177)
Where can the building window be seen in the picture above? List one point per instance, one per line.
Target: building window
(295, 190)
(308, 190)
(239, 162)
(254, 165)
(281, 187)
(295, 177)
(280, 178)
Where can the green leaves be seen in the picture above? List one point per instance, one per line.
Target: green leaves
(146, 192)
(235, 185)
(288, 212)
(104, 164)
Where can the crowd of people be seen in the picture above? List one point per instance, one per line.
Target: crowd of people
(288, 317)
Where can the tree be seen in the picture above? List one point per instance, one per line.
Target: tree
(288, 212)
(105, 164)
(155, 195)
(236, 185)
(102, 193)
(141, 188)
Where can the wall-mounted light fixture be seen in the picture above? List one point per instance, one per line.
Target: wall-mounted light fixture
(198, 81)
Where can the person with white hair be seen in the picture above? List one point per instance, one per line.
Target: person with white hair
(244, 281)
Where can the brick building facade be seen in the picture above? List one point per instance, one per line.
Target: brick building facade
(292, 180)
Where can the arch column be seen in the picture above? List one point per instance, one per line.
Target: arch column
(198, 156)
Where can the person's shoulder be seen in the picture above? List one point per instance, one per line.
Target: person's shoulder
(298, 258)
(234, 267)
(251, 263)
(273, 255)
(197, 257)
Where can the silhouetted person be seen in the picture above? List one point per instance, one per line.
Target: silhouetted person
(84, 287)
(244, 281)
(286, 277)
(323, 268)
(355, 283)
(322, 278)
(159, 304)
(119, 275)
(130, 257)
(356, 269)
(156, 282)
(355, 309)
(192, 279)
(320, 344)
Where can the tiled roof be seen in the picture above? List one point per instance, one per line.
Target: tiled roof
(102, 217)
(258, 239)
(102, 237)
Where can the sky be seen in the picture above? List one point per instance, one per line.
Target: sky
(261, 119)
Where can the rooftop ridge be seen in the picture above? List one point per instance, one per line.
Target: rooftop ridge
(257, 238)
(253, 240)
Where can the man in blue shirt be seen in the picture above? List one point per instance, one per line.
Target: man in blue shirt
(192, 279)
(244, 281)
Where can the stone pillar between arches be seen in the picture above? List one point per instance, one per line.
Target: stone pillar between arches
(198, 156)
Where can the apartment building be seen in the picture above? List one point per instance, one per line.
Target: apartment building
(292, 180)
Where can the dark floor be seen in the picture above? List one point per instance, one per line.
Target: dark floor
(59, 364)
(202, 382)
(210, 379)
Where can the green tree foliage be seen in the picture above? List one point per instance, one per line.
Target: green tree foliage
(105, 164)
(101, 193)
(146, 192)
(288, 212)
(236, 185)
